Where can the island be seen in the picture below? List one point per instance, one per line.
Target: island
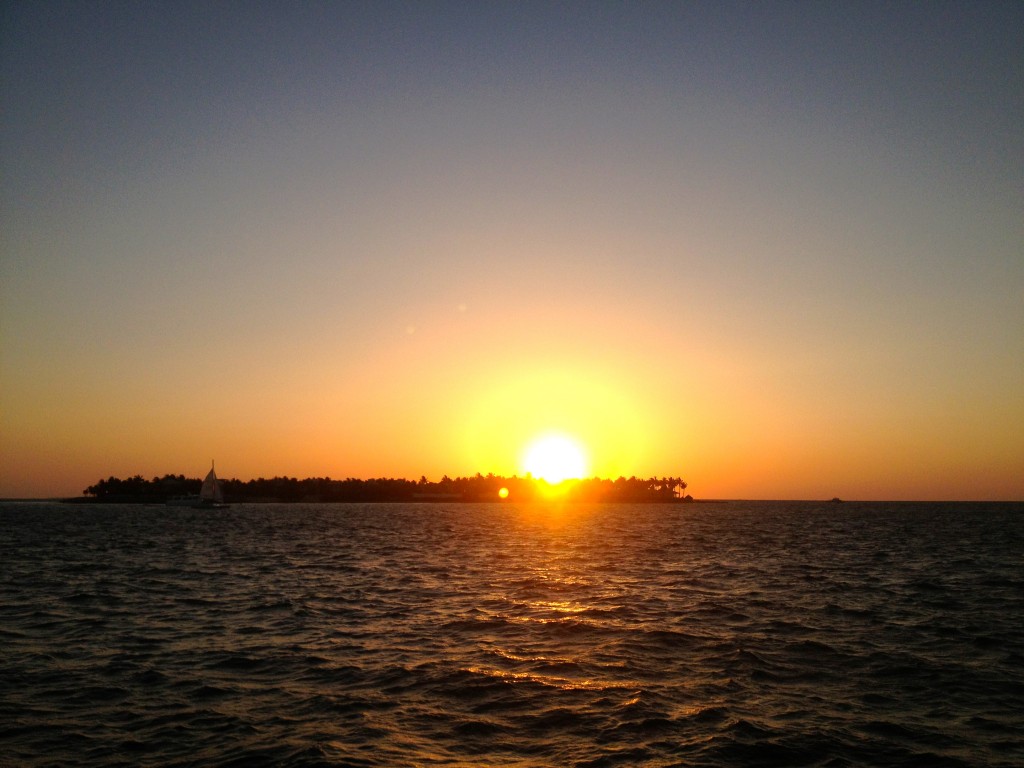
(478, 488)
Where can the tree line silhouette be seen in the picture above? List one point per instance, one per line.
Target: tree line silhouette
(480, 487)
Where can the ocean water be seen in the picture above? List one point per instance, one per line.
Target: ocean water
(746, 633)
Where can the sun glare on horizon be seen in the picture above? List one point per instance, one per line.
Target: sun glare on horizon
(555, 458)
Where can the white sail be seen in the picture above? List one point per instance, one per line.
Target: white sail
(210, 492)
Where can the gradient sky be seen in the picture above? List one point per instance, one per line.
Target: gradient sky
(776, 249)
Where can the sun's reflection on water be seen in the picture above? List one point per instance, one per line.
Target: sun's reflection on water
(549, 681)
(559, 619)
(560, 606)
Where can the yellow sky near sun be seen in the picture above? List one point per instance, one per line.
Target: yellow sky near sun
(591, 405)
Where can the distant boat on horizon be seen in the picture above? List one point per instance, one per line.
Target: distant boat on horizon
(210, 495)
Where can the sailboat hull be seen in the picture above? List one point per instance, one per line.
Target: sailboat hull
(210, 505)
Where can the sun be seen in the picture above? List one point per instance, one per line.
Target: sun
(555, 458)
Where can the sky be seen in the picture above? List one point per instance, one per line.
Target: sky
(775, 249)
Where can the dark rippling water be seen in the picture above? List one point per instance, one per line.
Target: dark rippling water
(464, 635)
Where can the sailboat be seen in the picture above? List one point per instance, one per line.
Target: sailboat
(210, 495)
